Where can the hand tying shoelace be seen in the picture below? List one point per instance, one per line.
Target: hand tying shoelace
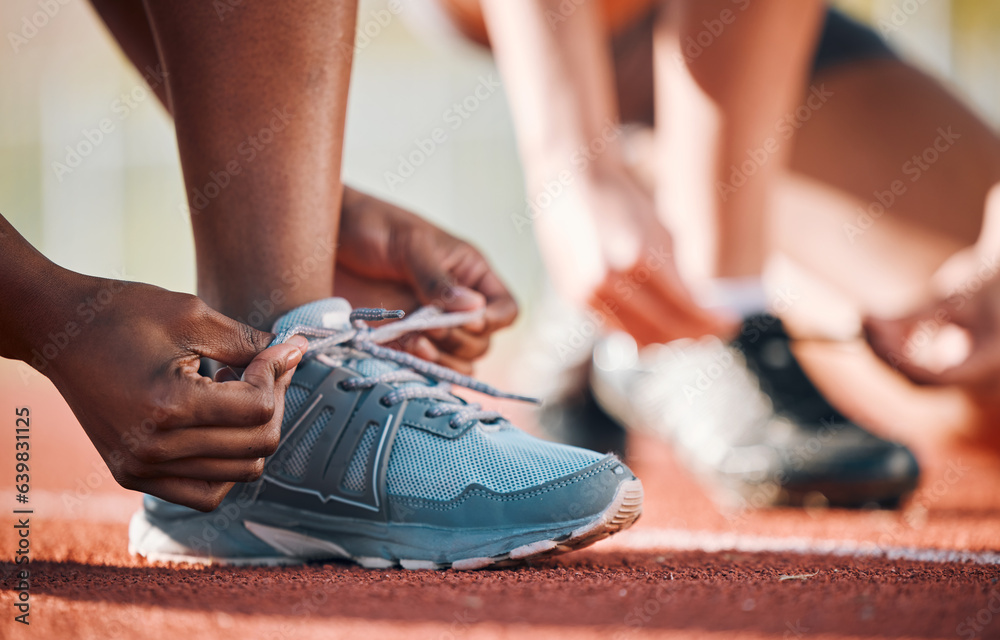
(333, 345)
(430, 483)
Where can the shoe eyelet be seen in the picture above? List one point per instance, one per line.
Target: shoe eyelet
(342, 385)
(384, 401)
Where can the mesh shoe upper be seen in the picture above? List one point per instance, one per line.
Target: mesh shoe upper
(491, 453)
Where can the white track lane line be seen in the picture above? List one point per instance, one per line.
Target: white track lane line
(714, 542)
(118, 507)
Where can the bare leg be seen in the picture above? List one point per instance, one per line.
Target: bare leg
(862, 144)
(260, 95)
(885, 113)
(716, 110)
(879, 115)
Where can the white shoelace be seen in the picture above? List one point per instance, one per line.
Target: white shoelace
(339, 343)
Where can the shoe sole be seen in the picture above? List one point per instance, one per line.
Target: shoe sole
(620, 514)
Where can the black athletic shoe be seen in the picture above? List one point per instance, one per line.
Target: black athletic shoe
(747, 419)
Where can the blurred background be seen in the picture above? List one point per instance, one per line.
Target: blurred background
(119, 210)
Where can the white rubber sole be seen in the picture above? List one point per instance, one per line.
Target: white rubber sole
(296, 548)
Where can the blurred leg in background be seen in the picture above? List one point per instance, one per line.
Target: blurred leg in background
(837, 142)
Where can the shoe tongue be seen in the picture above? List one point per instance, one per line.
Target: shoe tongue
(331, 313)
(335, 313)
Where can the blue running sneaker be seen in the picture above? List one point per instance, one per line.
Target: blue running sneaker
(380, 464)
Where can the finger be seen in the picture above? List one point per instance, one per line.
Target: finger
(465, 367)
(501, 308)
(228, 341)
(915, 373)
(458, 298)
(251, 401)
(437, 283)
(644, 330)
(667, 285)
(888, 337)
(978, 370)
(210, 469)
(420, 346)
(461, 344)
(646, 311)
(196, 494)
(648, 317)
(215, 442)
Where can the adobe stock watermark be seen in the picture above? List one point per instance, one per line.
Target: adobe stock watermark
(916, 514)
(370, 27)
(73, 500)
(224, 7)
(587, 153)
(424, 147)
(976, 625)
(913, 169)
(121, 108)
(694, 46)
(784, 130)
(199, 198)
(899, 16)
(31, 25)
(769, 486)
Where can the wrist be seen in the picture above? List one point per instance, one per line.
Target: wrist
(577, 162)
(40, 322)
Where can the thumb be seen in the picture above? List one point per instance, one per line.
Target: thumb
(437, 287)
(459, 298)
(887, 335)
(978, 370)
(230, 342)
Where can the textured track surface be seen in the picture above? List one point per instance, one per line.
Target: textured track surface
(685, 570)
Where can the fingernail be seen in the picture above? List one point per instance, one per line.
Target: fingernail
(456, 295)
(293, 358)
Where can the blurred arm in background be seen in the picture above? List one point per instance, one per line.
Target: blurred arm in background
(598, 231)
(604, 239)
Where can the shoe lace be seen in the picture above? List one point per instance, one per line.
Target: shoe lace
(341, 344)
